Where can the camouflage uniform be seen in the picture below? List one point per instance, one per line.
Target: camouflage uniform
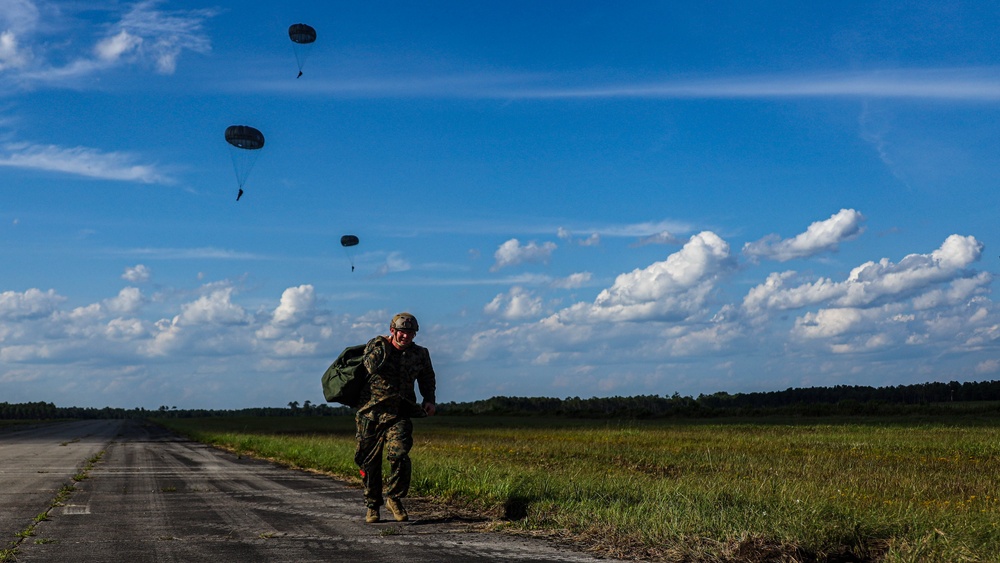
(383, 420)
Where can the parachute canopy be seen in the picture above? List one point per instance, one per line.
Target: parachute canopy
(301, 33)
(302, 37)
(244, 137)
(245, 143)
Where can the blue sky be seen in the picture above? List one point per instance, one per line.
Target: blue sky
(574, 198)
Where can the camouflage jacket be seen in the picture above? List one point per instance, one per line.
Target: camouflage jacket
(389, 392)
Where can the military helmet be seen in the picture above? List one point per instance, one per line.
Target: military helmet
(405, 321)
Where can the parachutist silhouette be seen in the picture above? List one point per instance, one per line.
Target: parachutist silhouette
(348, 241)
(302, 37)
(245, 143)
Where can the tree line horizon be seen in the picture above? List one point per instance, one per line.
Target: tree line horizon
(923, 398)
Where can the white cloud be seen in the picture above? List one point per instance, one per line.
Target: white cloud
(874, 281)
(137, 274)
(942, 84)
(968, 84)
(10, 54)
(296, 303)
(828, 322)
(295, 348)
(122, 330)
(645, 229)
(821, 236)
(573, 281)
(126, 302)
(32, 303)
(215, 308)
(16, 17)
(676, 288)
(988, 367)
(112, 48)
(203, 253)
(512, 253)
(516, 304)
(18, 14)
(394, 262)
(145, 35)
(164, 35)
(81, 161)
(662, 237)
(593, 239)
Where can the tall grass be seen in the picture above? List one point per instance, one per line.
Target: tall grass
(739, 491)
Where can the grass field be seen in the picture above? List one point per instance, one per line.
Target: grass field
(760, 490)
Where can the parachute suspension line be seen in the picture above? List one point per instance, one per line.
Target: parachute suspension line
(348, 241)
(302, 36)
(245, 143)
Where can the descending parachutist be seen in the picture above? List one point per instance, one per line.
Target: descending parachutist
(245, 143)
(302, 37)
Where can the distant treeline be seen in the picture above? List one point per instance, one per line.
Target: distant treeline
(925, 398)
(41, 411)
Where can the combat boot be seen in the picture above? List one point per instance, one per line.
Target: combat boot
(372, 516)
(396, 506)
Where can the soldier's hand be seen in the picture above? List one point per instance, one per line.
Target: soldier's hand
(429, 408)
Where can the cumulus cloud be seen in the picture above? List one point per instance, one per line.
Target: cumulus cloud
(512, 253)
(32, 303)
(872, 282)
(296, 303)
(81, 161)
(675, 288)
(215, 308)
(137, 274)
(126, 302)
(821, 236)
(516, 304)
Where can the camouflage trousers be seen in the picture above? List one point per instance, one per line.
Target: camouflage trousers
(395, 438)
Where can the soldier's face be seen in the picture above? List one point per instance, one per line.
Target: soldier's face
(402, 338)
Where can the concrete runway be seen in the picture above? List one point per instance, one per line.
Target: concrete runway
(153, 496)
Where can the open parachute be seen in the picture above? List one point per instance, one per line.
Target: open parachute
(245, 143)
(348, 241)
(302, 36)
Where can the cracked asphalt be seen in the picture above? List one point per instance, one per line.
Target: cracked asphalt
(150, 495)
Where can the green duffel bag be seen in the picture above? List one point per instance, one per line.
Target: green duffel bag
(346, 377)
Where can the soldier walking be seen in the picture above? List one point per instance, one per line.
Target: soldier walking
(388, 403)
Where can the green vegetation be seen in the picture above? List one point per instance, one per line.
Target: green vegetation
(928, 399)
(735, 490)
(10, 554)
